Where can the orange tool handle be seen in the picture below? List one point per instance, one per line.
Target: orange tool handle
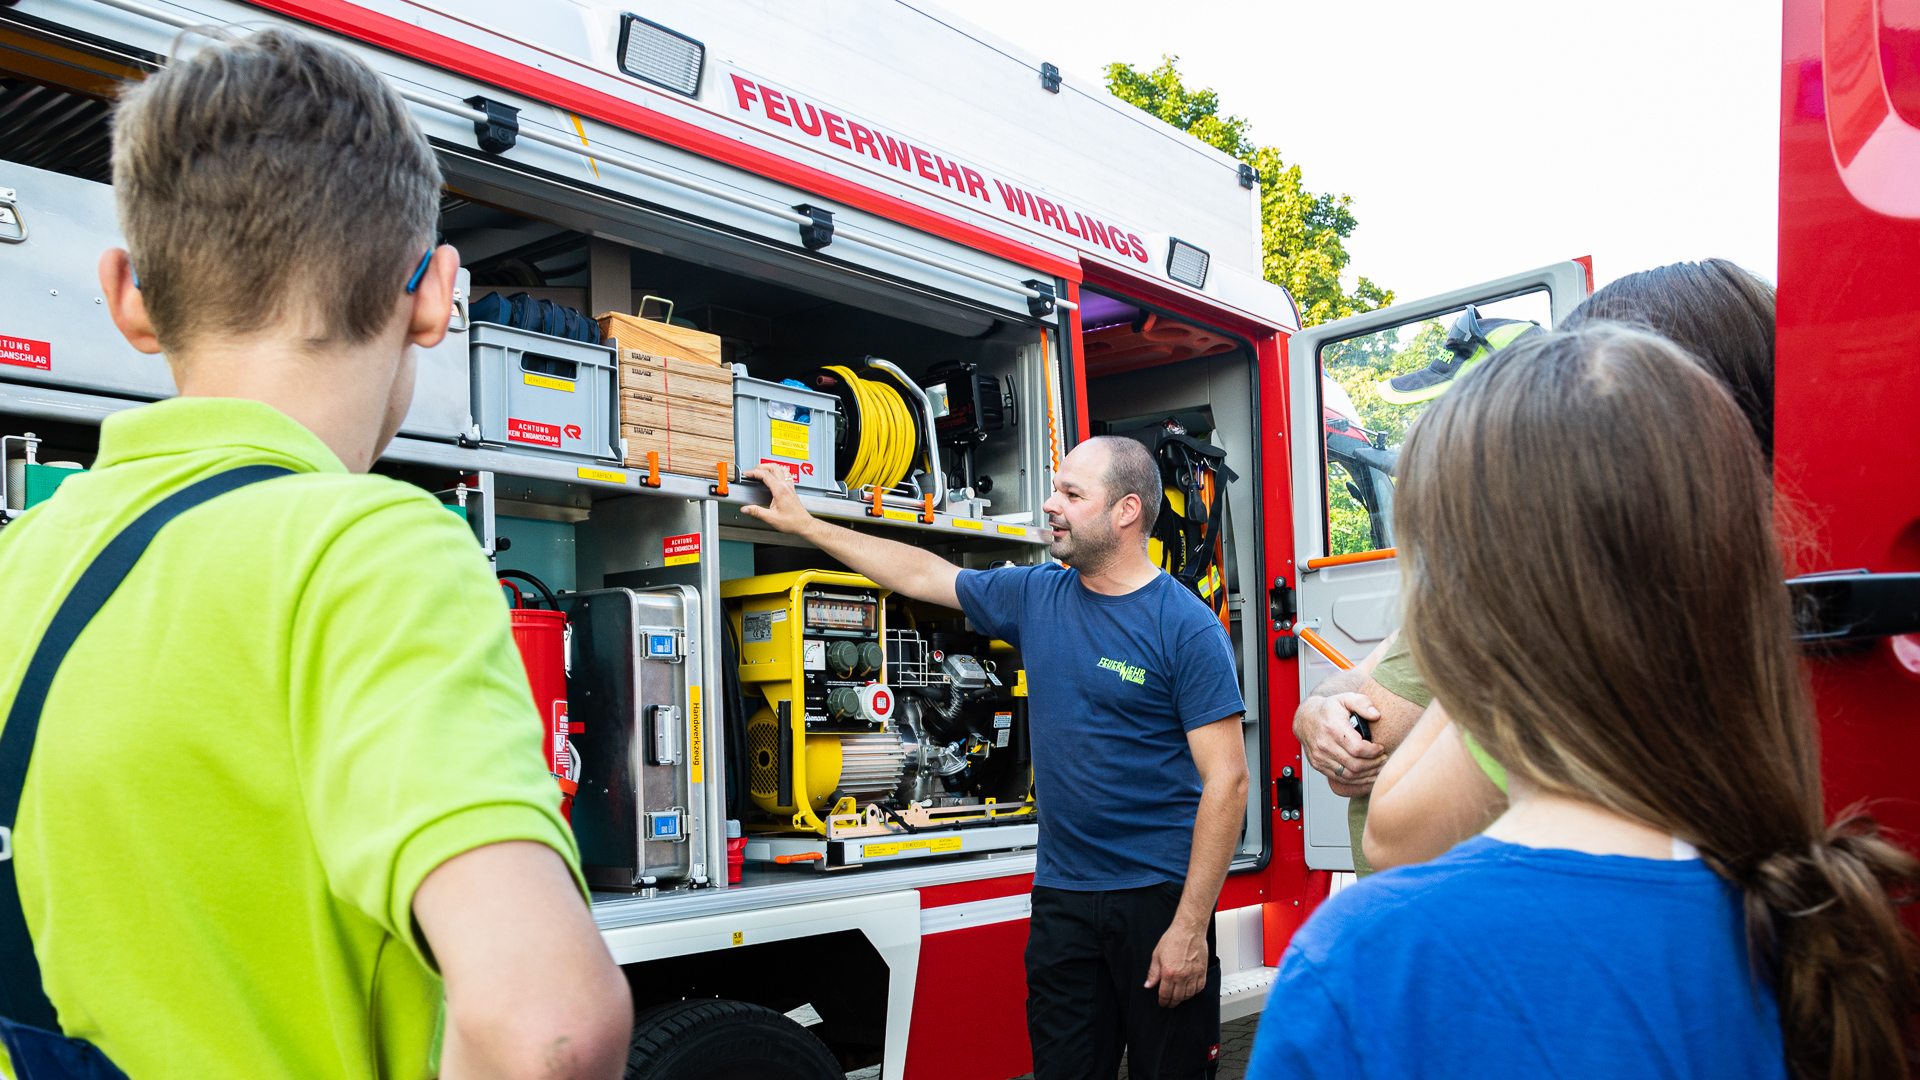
(926, 514)
(801, 856)
(1320, 646)
(875, 510)
(721, 469)
(1357, 557)
(652, 479)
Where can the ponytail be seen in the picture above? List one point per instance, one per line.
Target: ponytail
(1823, 925)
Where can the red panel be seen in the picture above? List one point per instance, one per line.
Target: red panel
(1289, 896)
(456, 56)
(1849, 314)
(964, 892)
(970, 1005)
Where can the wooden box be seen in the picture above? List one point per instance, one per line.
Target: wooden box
(691, 380)
(680, 452)
(660, 339)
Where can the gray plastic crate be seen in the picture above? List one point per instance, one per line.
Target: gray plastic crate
(774, 423)
(544, 395)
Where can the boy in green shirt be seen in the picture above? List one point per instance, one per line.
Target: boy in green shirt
(286, 796)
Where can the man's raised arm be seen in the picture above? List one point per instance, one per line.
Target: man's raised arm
(902, 568)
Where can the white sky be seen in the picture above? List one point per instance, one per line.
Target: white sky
(1478, 137)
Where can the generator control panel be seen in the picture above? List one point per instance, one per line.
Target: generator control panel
(840, 652)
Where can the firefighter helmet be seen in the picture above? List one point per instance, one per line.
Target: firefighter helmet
(1470, 340)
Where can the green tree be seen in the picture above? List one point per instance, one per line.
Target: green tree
(1303, 235)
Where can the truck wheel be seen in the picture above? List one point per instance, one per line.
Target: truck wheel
(711, 1039)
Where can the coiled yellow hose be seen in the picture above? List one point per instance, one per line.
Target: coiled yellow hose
(887, 433)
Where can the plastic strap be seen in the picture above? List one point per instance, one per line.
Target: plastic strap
(22, 999)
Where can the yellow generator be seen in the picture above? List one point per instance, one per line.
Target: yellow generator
(866, 732)
(812, 645)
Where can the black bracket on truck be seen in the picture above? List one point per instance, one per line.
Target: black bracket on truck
(498, 133)
(1040, 307)
(817, 233)
(1851, 608)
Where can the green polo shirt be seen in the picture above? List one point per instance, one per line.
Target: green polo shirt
(303, 699)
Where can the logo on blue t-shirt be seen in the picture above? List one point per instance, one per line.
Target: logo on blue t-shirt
(1126, 671)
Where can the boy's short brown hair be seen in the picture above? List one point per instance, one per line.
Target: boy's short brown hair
(267, 178)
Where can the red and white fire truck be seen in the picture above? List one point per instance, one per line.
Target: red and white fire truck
(927, 263)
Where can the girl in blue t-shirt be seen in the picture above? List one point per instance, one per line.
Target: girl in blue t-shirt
(1594, 591)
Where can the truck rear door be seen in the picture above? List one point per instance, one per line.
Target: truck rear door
(1355, 386)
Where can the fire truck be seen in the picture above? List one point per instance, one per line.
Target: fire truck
(914, 265)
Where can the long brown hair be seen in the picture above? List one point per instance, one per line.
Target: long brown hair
(1595, 592)
(1715, 310)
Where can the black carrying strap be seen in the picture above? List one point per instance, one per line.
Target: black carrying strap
(22, 999)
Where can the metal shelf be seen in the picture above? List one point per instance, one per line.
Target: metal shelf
(603, 480)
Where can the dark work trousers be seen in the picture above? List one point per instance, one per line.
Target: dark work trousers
(1087, 960)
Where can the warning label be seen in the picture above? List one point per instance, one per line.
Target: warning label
(531, 431)
(21, 352)
(789, 439)
(681, 550)
(804, 468)
(901, 847)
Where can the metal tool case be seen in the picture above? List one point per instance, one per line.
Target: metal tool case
(53, 313)
(640, 814)
(53, 228)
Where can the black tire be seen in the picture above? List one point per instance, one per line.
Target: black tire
(711, 1039)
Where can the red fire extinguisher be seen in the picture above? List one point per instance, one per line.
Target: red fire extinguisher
(542, 638)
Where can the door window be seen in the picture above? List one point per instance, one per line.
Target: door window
(1373, 385)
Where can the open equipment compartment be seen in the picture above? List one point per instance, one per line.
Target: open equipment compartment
(1150, 373)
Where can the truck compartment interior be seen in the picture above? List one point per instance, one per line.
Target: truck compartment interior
(1146, 369)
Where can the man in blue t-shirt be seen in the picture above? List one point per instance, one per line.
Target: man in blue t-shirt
(1138, 760)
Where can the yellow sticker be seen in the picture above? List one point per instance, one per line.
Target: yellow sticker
(901, 515)
(547, 381)
(789, 439)
(693, 707)
(739, 937)
(608, 475)
(1012, 530)
(968, 523)
(881, 851)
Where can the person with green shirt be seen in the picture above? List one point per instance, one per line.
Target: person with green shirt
(285, 814)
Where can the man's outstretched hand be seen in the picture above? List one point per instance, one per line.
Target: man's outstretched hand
(784, 512)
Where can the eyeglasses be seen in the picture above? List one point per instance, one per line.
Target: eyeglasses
(419, 271)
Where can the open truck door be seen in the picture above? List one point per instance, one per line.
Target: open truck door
(1356, 384)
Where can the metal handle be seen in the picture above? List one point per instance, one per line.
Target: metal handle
(926, 412)
(666, 735)
(10, 215)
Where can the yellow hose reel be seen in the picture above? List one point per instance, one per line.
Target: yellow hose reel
(880, 437)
